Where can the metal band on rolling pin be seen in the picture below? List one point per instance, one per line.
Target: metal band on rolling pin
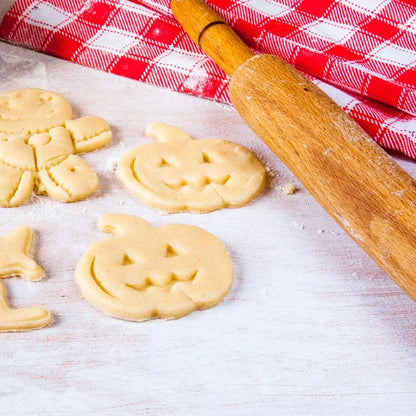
(217, 22)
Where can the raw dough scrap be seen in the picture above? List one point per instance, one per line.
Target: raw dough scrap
(181, 174)
(16, 259)
(38, 142)
(143, 272)
(289, 189)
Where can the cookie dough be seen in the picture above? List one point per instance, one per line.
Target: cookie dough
(16, 259)
(289, 189)
(38, 146)
(181, 174)
(143, 272)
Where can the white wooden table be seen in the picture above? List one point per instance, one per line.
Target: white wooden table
(311, 326)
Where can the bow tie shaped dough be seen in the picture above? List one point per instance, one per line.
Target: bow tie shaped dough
(16, 259)
(38, 142)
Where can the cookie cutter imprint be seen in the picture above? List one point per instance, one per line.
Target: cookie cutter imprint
(143, 272)
(16, 260)
(178, 173)
(39, 141)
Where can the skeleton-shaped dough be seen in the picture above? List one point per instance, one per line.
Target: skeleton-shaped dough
(16, 259)
(38, 142)
(144, 272)
(179, 173)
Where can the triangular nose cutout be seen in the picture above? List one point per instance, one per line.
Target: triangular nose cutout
(170, 252)
(127, 260)
(163, 162)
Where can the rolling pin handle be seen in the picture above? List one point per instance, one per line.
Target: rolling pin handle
(212, 33)
(202, 32)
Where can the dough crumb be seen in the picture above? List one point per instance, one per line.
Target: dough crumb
(289, 189)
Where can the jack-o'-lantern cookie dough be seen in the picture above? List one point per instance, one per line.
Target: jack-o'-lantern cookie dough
(38, 146)
(144, 272)
(16, 259)
(181, 174)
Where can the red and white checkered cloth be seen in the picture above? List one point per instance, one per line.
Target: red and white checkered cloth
(361, 53)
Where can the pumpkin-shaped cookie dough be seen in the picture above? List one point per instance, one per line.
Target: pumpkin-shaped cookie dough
(181, 174)
(38, 142)
(143, 272)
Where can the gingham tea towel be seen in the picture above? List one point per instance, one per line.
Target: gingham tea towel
(360, 52)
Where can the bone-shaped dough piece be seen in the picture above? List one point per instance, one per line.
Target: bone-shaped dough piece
(16, 259)
(38, 146)
(181, 174)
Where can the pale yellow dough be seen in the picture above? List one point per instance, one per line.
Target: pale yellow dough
(16, 259)
(181, 174)
(38, 142)
(143, 272)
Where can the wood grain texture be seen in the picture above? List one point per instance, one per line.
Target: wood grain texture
(369, 195)
(311, 326)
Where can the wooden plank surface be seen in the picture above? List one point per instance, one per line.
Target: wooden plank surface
(311, 326)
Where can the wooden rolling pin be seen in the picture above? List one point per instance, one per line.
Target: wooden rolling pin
(366, 192)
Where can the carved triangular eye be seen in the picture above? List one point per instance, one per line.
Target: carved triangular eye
(206, 158)
(163, 162)
(224, 180)
(170, 251)
(127, 260)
